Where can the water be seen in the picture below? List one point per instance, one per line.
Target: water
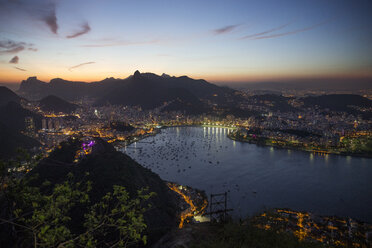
(257, 178)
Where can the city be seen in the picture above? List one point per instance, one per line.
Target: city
(185, 124)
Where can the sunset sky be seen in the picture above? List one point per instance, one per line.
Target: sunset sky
(221, 41)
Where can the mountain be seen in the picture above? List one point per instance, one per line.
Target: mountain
(57, 105)
(273, 101)
(12, 123)
(147, 90)
(338, 102)
(13, 115)
(6, 96)
(35, 89)
(32, 88)
(336, 84)
(12, 139)
(108, 167)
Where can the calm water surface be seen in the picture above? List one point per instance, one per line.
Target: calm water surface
(257, 178)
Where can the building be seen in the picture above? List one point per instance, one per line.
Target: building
(50, 125)
(30, 126)
(44, 124)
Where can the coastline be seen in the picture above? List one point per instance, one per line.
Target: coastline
(258, 145)
(321, 152)
(158, 130)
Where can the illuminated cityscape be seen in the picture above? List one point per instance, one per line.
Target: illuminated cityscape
(168, 124)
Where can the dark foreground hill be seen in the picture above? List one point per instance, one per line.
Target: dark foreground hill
(12, 124)
(6, 96)
(107, 167)
(11, 140)
(13, 115)
(57, 105)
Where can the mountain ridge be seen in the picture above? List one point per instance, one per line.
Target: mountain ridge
(147, 90)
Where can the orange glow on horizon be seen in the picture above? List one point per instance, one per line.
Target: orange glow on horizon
(15, 76)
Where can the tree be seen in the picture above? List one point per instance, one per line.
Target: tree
(43, 216)
(118, 217)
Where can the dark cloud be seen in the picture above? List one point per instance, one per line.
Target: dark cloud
(85, 28)
(80, 65)
(14, 60)
(11, 47)
(32, 49)
(226, 29)
(20, 69)
(12, 50)
(50, 19)
(39, 10)
(289, 32)
(265, 32)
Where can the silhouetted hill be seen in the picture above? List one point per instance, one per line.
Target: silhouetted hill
(107, 167)
(35, 89)
(337, 84)
(338, 102)
(121, 126)
(13, 116)
(6, 96)
(55, 104)
(273, 101)
(147, 90)
(11, 140)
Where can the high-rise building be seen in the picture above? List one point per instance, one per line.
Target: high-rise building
(44, 124)
(30, 126)
(56, 124)
(50, 125)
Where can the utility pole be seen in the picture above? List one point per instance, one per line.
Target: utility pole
(218, 207)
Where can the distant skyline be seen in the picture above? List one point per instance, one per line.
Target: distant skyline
(220, 41)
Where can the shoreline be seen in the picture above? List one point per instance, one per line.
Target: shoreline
(324, 153)
(158, 130)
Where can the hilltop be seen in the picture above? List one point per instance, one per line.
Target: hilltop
(146, 90)
(57, 105)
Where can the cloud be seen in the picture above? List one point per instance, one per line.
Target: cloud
(289, 32)
(38, 10)
(20, 69)
(265, 32)
(226, 29)
(14, 60)
(85, 29)
(80, 65)
(12, 47)
(32, 49)
(12, 50)
(50, 19)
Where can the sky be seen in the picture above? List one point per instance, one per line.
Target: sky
(220, 41)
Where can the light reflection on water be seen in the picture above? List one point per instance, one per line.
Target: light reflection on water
(259, 177)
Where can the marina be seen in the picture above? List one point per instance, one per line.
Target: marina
(258, 178)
